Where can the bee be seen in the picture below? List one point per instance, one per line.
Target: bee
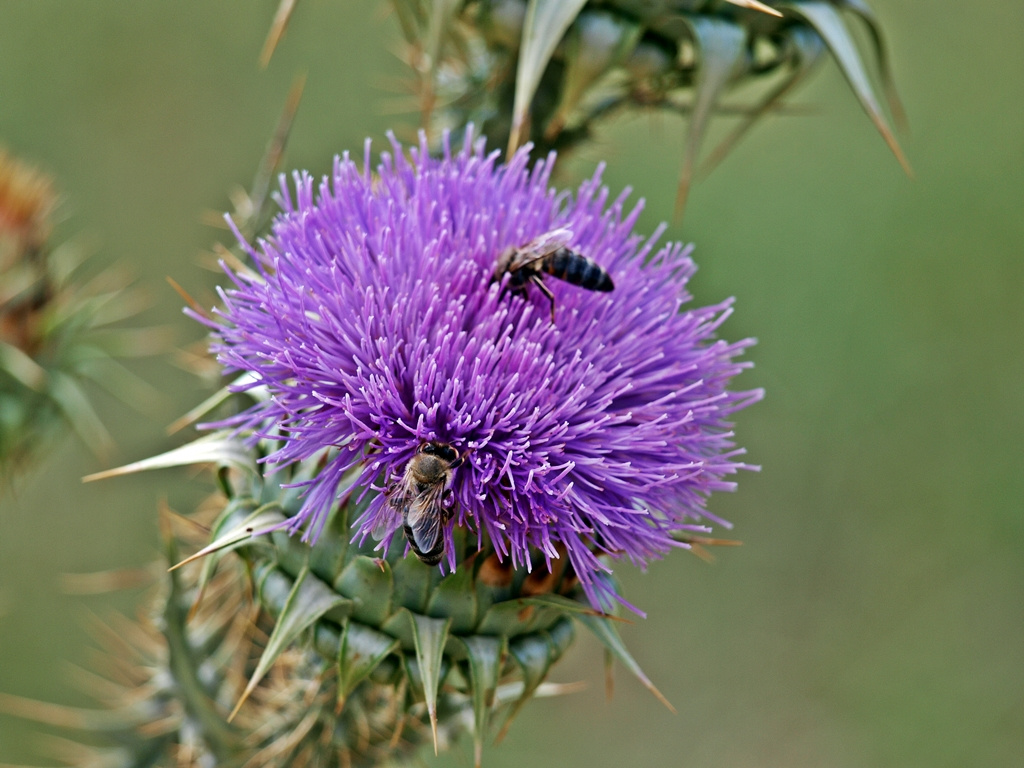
(550, 254)
(425, 499)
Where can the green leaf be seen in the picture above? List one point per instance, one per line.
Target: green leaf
(544, 26)
(429, 638)
(721, 46)
(360, 651)
(75, 406)
(485, 656)
(829, 24)
(604, 630)
(309, 599)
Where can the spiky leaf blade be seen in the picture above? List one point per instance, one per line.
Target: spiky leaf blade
(217, 448)
(810, 49)
(308, 600)
(238, 533)
(429, 638)
(604, 630)
(867, 15)
(485, 656)
(754, 5)
(721, 45)
(543, 28)
(360, 651)
(829, 24)
(77, 409)
(533, 654)
(598, 41)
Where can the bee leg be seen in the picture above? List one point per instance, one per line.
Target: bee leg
(536, 280)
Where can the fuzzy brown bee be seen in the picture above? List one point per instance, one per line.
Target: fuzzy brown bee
(549, 254)
(425, 499)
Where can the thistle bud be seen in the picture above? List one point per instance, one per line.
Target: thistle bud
(55, 329)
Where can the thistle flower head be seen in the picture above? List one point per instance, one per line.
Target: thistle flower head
(587, 424)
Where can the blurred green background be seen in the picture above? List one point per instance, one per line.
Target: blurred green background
(874, 615)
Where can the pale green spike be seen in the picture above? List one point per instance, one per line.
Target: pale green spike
(810, 49)
(408, 14)
(184, 666)
(829, 24)
(456, 598)
(284, 13)
(369, 582)
(565, 604)
(238, 533)
(863, 10)
(545, 24)
(440, 18)
(429, 638)
(209, 403)
(360, 651)
(605, 631)
(534, 655)
(309, 599)
(721, 45)
(260, 199)
(755, 6)
(209, 567)
(217, 448)
(22, 367)
(441, 14)
(76, 718)
(120, 382)
(75, 406)
(485, 656)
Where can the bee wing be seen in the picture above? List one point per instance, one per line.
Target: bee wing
(387, 522)
(539, 247)
(551, 241)
(424, 517)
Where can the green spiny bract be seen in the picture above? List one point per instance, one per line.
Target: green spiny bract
(264, 651)
(550, 72)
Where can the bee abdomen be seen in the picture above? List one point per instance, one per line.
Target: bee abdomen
(577, 269)
(432, 556)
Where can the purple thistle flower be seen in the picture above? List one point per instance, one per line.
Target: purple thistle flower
(376, 325)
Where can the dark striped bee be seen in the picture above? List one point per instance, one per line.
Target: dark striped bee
(549, 254)
(425, 499)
